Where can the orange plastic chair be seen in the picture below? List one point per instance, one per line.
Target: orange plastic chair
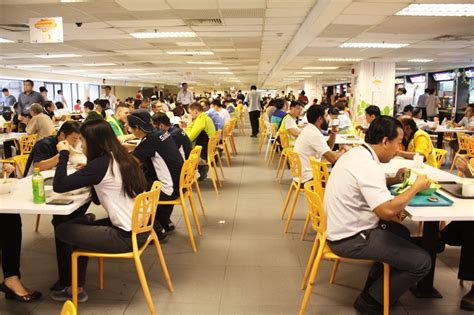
(321, 251)
(295, 187)
(144, 211)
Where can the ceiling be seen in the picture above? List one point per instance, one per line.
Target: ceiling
(263, 42)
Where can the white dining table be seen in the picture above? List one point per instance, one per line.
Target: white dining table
(461, 210)
(442, 129)
(11, 136)
(347, 139)
(20, 199)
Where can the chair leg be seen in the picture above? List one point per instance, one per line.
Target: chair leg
(268, 148)
(219, 160)
(234, 147)
(143, 282)
(305, 227)
(74, 279)
(101, 272)
(287, 200)
(194, 211)
(38, 217)
(386, 289)
(226, 152)
(279, 164)
(283, 168)
(188, 225)
(312, 278)
(209, 163)
(334, 271)
(309, 266)
(164, 268)
(454, 162)
(292, 208)
(198, 190)
(216, 173)
(420, 229)
(442, 225)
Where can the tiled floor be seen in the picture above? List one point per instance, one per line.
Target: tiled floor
(245, 264)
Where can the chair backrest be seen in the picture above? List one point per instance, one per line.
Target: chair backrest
(218, 135)
(284, 139)
(228, 127)
(27, 143)
(463, 141)
(440, 155)
(234, 121)
(196, 150)
(20, 162)
(211, 148)
(316, 211)
(295, 164)
(188, 171)
(471, 161)
(261, 123)
(144, 209)
(320, 173)
(469, 146)
(68, 308)
(274, 130)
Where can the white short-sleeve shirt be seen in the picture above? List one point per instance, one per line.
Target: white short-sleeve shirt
(224, 115)
(310, 142)
(356, 186)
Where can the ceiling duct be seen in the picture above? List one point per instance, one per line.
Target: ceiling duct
(15, 27)
(204, 22)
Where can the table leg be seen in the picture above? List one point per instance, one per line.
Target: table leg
(439, 141)
(429, 242)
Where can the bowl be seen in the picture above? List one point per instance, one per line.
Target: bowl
(6, 185)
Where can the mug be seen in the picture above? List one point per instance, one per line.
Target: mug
(467, 187)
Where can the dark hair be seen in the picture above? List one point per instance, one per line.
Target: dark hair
(137, 103)
(107, 87)
(471, 106)
(333, 110)
(427, 90)
(60, 91)
(403, 90)
(408, 108)
(161, 118)
(295, 103)
(89, 105)
(432, 91)
(26, 114)
(303, 92)
(183, 83)
(314, 112)
(59, 105)
(408, 121)
(279, 103)
(43, 89)
(30, 82)
(373, 110)
(216, 102)
(4, 90)
(78, 101)
(416, 111)
(103, 103)
(253, 87)
(69, 127)
(100, 141)
(46, 104)
(196, 106)
(96, 101)
(179, 111)
(340, 105)
(381, 127)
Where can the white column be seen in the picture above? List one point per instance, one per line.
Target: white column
(313, 89)
(373, 84)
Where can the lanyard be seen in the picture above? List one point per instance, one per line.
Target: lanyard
(367, 148)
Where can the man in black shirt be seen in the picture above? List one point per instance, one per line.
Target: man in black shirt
(48, 109)
(160, 160)
(162, 122)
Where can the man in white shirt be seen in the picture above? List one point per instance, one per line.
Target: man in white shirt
(311, 141)
(403, 100)
(253, 101)
(185, 97)
(219, 108)
(468, 120)
(108, 96)
(361, 215)
(60, 98)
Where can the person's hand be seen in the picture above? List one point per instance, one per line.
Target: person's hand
(8, 169)
(62, 146)
(79, 166)
(182, 124)
(462, 164)
(400, 175)
(422, 182)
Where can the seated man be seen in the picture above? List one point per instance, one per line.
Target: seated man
(61, 111)
(417, 117)
(357, 200)
(371, 112)
(160, 160)
(230, 107)
(311, 142)
(48, 109)
(279, 112)
(162, 121)
(118, 121)
(199, 131)
(89, 112)
(467, 121)
(219, 108)
(216, 118)
(39, 124)
(288, 123)
(416, 141)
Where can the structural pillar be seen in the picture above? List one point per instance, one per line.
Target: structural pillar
(373, 84)
(313, 89)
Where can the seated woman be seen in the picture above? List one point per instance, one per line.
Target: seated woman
(108, 163)
(10, 241)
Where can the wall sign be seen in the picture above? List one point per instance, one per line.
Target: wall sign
(46, 30)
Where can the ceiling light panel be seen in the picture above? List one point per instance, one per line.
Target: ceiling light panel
(373, 45)
(33, 66)
(99, 64)
(420, 60)
(142, 35)
(309, 72)
(51, 56)
(220, 72)
(5, 41)
(340, 59)
(451, 9)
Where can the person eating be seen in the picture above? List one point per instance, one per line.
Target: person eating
(371, 112)
(118, 122)
(467, 122)
(288, 123)
(416, 141)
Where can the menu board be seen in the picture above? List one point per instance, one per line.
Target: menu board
(418, 79)
(444, 76)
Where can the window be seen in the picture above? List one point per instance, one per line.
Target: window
(94, 92)
(67, 93)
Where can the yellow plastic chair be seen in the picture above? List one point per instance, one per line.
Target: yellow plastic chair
(263, 134)
(196, 153)
(295, 187)
(231, 136)
(321, 251)
(241, 120)
(217, 154)
(186, 180)
(465, 148)
(211, 162)
(226, 142)
(285, 144)
(68, 308)
(321, 176)
(440, 156)
(275, 144)
(27, 143)
(144, 211)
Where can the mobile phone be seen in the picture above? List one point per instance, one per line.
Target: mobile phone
(59, 202)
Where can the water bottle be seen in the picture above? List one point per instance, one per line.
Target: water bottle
(38, 187)
(445, 121)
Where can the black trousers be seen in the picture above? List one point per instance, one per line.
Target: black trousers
(163, 212)
(461, 233)
(64, 251)
(10, 241)
(423, 113)
(101, 236)
(389, 243)
(254, 116)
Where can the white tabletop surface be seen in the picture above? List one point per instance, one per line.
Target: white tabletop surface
(11, 136)
(461, 210)
(443, 129)
(342, 139)
(20, 199)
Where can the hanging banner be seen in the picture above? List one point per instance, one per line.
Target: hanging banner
(46, 30)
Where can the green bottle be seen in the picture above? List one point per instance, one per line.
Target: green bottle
(38, 187)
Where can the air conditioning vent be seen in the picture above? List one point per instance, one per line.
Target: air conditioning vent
(204, 22)
(15, 27)
(447, 38)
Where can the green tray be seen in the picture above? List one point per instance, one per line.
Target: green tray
(422, 201)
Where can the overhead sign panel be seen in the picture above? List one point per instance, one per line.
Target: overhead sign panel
(46, 30)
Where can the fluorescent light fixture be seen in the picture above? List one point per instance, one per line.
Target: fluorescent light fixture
(5, 41)
(146, 73)
(163, 34)
(320, 68)
(99, 64)
(202, 53)
(309, 72)
(420, 60)
(451, 9)
(373, 45)
(126, 70)
(214, 68)
(33, 66)
(299, 76)
(341, 59)
(220, 72)
(204, 62)
(402, 69)
(48, 56)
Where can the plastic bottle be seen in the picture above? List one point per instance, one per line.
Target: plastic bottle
(445, 121)
(38, 187)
